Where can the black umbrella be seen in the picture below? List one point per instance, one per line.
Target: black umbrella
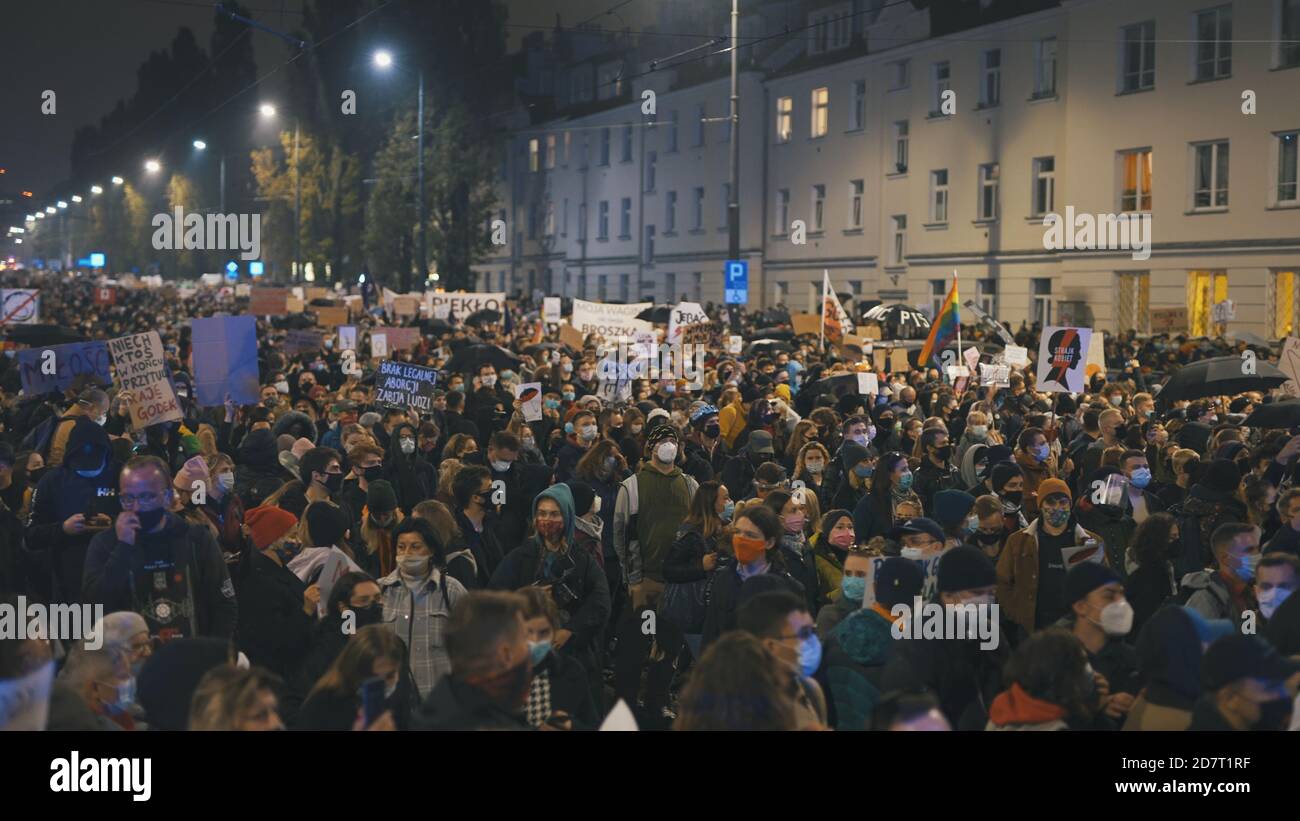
(899, 321)
(534, 349)
(1220, 376)
(436, 326)
(487, 315)
(767, 346)
(656, 313)
(42, 335)
(774, 333)
(1283, 414)
(468, 359)
(830, 383)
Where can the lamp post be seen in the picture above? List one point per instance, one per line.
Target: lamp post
(383, 60)
(268, 111)
(200, 145)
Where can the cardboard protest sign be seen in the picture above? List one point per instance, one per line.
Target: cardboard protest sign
(806, 323)
(379, 345)
(1061, 359)
(105, 295)
(268, 301)
(406, 306)
(401, 339)
(461, 305)
(20, 306)
(225, 359)
(572, 337)
(243, 289)
(442, 311)
(683, 316)
(1096, 354)
(142, 370)
(609, 321)
(315, 292)
(1225, 311)
(870, 332)
(878, 358)
(403, 385)
(294, 305)
(297, 292)
(55, 367)
(898, 361)
(551, 309)
(1168, 320)
(300, 341)
(331, 317)
(347, 337)
(929, 564)
(529, 395)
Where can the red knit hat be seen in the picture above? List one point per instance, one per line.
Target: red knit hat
(266, 524)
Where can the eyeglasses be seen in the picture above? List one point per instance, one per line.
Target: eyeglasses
(804, 634)
(130, 500)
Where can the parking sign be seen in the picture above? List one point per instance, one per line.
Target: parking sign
(737, 287)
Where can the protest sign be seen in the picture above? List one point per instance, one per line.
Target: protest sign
(1168, 320)
(868, 384)
(683, 316)
(294, 305)
(806, 323)
(1061, 359)
(571, 336)
(898, 361)
(871, 332)
(347, 337)
(929, 564)
(297, 292)
(268, 301)
(609, 321)
(1079, 554)
(551, 309)
(298, 341)
(442, 311)
(401, 339)
(315, 292)
(735, 342)
(243, 289)
(405, 306)
(54, 367)
(331, 317)
(142, 371)
(461, 305)
(972, 357)
(1016, 355)
(1225, 311)
(378, 345)
(997, 376)
(1289, 364)
(529, 395)
(225, 359)
(20, 306)
(1096, 354)
(105, 296)
(403, 385)
(878, 359)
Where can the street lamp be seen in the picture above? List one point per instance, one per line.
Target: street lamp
(383, 59)
(118, 181)
(49, 209)
(76, 198)
(200, 145)
(152, 166)
(95, 189)
(266, 110)
(62, 204)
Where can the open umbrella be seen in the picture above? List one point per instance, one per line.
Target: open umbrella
(1283, 414)
(656, 313)
(468, 359)
(767, 346)
(899, 321)
(774, 333)
(1220, 376)
(487, 315)
(533, 350)
(42, 335)
(828, 384)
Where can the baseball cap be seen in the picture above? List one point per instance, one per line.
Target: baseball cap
(1239, 656)
(760, 441)
(918, 525)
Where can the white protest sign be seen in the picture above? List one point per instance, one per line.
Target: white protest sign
(379, 345)
(999, 376)
(461, 305)
(141, 370)
(1071, 556)
(1062, 355)
(1016, 355)
(1289, 364)
(684, 315)
(347, 337)
(868, 384)
(972, 357)
(551, 309)
(735, 344)
(442, 311)
(529, 395)
(609, 321)
(1225, 311)
(1096, 354)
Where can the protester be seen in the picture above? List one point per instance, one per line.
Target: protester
(334, 701)
(559, 694)
(1244, 686)
(1169, 658)
(231, 698)
(781, 621)
(738, 685)
(1051, 686)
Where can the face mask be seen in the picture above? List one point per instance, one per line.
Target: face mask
(538, 650)
(1140, 478)
(1057, 516)
(711, 430)
(748, 550)
(1270, 601)
(810, 655)
(972, 524)
(1011, 499)
(979, 431)
(814, 467)
(488, 381)
(987, 539)
(1115, 400)
(843, 538)
(567, 367)
(286, 551)
(149, 519)
(225, 482)
(728, 510)
(1117, 618)
(569, 396)
(864, 471)
(550, 529)
(587, 432)
(636, 429)
(666, 452)
(371, 614)
(913, 553)
(282, 386)
(853, 588)
(501, 466)
(1042, 452)
(373, 473)
(1246, 565)
(100, 420)
(125, 698)
(333, 481)
(905, 482)
(552, 404)
(944, 452)
(794, 523)
(414, 567)
(860, 438)
(528, 444)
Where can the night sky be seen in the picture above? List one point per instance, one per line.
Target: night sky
(87, 51)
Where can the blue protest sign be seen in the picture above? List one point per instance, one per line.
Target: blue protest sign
(42, 373)
(225, 359)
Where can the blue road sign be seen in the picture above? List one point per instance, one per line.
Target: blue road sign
(232, 270)
(737, 282)
(96, 259)
(255, 268)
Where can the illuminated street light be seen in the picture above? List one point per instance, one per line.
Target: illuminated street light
(152, 166)
(40, 215)
(49, 209)
(266, 110)
(118, 181)
(383, 58)
(62, 204)
(76, 198)
(200, 145)
(95, 189)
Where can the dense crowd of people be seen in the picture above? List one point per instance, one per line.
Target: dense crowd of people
(731, 552)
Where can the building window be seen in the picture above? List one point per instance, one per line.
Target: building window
(1288, 34)
(858, 111)
(550, 150)
(1136, 192)
(820, 112)
(550, 219)
(697, 211)
(783, 211)
(900, 239)
(1214, 43)
(1210, 183)
(991, 79)
(939, 196)
(568, 141)
(1138, 56)
(986, 291)
(532, 221)
(855, 203)
(1045, 67)
(726, 205)
(1040, 307)
(938, 291)
(900, 74)
(988, 209)
(604, 146)
(609, 81)
(564, 226)
(1285, 192)
(701, 114)
(649, 243)
(584, 152)
(699, 285)
(818, 207)
(829, 30)
(623, 292)
(582, 222)
(1044, 185)
(670, 287)
(940, 81)
(602, 287)
(627, 142)
(784, 119)
(1133, 301)
(534, 162)
(672, 131)
(603, 224)
(670, 212)
(1284, 304)
(1205, 289)
(900, 146)
(625, 219)
(651, 160)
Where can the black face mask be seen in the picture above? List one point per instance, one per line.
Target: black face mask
(373, 473)
(712, 430)
(149, 519)
(34, 476)
(944, 452)
(333, 481)
(1013, 497)
(987, 539)
(371, 614)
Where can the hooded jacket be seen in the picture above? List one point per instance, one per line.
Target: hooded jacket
(1213, 598)
(970, 454)
(857, 651)
(61, 494)
(1207, 509)
(1169, 655)
(257, 467)
(1015, 709)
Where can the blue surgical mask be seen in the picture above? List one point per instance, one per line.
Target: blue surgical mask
(538, 650)
(864, 471)
(552, 404)
(1140, 478)
(905, 482)
(810, 655)
(853, 588)
(727, 510)
(569, 396)
(1246, 566)
(1042, 452)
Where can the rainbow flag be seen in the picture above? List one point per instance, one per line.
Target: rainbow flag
(943, 328)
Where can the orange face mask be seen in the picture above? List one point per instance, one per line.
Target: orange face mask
(748, 550)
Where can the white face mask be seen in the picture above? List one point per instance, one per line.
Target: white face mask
(595, 505)
(408, 446)
(587, 432)
(814, 467)
(489, 380)
(225, 481)
(1117, 618)
(414, 566)
(666, 452)
(1271, 600)
(282, 386)
(101, 420)
(500, 466)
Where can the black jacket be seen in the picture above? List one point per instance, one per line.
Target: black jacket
(738, 474)
(327, 641)
(120, 576)
(1148, 588)
(931, 479)
(1207, 718)
(724, 598)
(964, 678)
(274, 631)
(522, 484)
(586, 615)
(455, 705)
(485, 547)
(685, 560)
(570, 690)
